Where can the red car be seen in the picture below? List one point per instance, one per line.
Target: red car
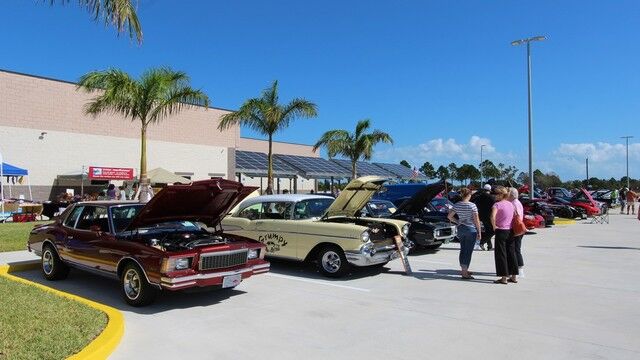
(582, 199)
(533, 221)
(173, 242)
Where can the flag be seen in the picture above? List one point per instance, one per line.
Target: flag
(415, 173)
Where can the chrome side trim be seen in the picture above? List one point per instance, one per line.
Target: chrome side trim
(139, 265)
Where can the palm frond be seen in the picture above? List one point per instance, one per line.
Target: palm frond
(361, 127)
(118, 13)
(119, 92)
(175, 100)
(296, 108)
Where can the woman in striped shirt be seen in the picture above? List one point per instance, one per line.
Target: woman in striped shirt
(468, 229)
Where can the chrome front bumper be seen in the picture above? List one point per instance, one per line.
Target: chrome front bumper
(381, 255)
(438, 233)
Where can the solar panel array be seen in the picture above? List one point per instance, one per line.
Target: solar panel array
(315, 167)
(365, 168)
(400, 171)
(255, 163)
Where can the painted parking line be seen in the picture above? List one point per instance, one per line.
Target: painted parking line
(430, 261)
(319, 282)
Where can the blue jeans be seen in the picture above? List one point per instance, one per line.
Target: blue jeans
(467, 236)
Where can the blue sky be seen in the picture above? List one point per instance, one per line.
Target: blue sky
(440, 76)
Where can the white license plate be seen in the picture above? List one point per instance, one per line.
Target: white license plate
(231, 281)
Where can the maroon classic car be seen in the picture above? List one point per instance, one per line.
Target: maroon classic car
(173, 242)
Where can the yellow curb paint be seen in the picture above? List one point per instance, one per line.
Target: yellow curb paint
(104, 344)
(563, 221)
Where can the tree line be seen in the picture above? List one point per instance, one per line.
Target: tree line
(468, 174)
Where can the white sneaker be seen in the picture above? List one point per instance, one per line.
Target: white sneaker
(478, 247)
(521, 272)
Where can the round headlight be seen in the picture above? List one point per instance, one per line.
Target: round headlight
(405, 230)
(364, 236)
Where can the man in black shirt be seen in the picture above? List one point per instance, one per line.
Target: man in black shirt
(484, 201)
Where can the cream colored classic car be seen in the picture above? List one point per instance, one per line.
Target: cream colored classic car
(319, 228)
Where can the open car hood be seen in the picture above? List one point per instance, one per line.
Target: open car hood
(586, 194)
(420, 199)
(206, 201)
(355, 196)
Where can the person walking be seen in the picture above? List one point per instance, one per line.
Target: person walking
(468, 229)
(631, 201)
(484, 201)
(513, 197)
(505, 250)
(623, 199)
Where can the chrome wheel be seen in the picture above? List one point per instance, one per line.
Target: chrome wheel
(47, 262)
(131, 284)
(331, 262)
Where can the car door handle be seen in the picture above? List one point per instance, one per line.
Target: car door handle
(259, 222)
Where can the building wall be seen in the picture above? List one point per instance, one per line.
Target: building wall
(51, 105)
(248, 144)
(186, 143)
(60, 153)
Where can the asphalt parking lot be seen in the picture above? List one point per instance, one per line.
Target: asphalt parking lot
(579, 300)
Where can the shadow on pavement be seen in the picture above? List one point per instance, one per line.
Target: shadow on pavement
(446, 274)
(609, 247)
(309, 270)
(107, 291)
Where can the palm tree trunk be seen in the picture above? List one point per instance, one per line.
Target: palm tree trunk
(270, 166)
(354, 169)
(143, 152)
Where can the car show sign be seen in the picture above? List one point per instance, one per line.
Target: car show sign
(110, 173)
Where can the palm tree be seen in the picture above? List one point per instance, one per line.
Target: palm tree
(158, 93)
(118, 13)
(355, 145)
(266, 116)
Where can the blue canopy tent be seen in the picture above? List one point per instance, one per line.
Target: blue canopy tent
(8, 171)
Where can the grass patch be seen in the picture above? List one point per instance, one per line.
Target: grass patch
(36, 324)
(14, 236)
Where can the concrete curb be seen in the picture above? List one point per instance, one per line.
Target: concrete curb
(104, 344)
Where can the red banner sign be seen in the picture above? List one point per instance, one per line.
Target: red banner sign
(109, 173)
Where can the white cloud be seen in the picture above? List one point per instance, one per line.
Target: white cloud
(599, 152)
(606, 160)
(440, 150)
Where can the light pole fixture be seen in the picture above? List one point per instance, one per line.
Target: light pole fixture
(627, 139)
(481, 161)
(528, 42)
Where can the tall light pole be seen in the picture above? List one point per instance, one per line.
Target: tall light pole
(627, 139)
(528, 42)
(481, 161)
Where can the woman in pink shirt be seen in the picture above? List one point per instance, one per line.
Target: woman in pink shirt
(505, 250)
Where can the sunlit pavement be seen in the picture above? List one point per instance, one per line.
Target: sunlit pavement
(580, 299)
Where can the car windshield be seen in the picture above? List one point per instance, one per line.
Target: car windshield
(311, 208)
(122, 216)
(440, 205)
(381, 208)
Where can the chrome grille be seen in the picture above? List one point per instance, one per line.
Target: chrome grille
(223, 260)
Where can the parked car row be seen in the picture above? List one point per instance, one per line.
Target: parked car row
(213, 233)
(179, 239)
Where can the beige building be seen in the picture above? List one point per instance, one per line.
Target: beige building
(44, 130)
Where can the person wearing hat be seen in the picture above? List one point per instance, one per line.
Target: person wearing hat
(484, 202)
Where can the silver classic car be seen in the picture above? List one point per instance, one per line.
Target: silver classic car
(321, 229)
